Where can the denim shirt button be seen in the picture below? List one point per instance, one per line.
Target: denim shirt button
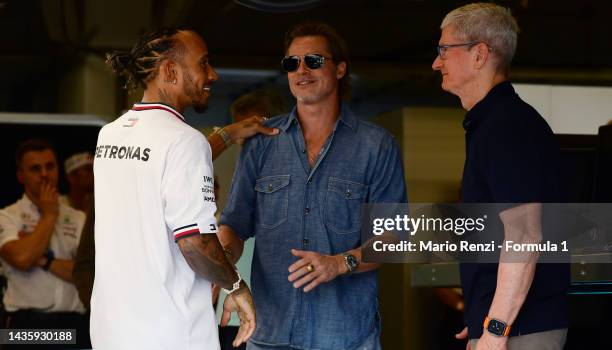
(270, 188)
(348, 193)
(307, 210)
(305, 241)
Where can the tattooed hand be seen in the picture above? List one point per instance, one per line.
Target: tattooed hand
(240, 301)
(206, 257)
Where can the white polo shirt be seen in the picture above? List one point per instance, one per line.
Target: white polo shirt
(39, 289)
(153, 184)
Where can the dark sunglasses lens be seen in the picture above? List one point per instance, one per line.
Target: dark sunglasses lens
(290, 64)
(313, 61)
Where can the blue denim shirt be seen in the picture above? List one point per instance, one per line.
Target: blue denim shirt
(278, 198)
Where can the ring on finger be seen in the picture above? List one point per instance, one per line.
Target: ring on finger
(310, 268)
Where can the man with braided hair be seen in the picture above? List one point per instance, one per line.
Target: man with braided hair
(155, 232)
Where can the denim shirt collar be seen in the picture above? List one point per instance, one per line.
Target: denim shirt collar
(346, 117)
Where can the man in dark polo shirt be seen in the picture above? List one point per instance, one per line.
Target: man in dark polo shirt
(511, 157)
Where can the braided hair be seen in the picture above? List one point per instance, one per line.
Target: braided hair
(139, 65)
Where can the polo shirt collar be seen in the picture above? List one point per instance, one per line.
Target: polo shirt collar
(143, 106)
(28, 206)
(489, 102)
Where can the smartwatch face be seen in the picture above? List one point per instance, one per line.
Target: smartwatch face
(496, 327)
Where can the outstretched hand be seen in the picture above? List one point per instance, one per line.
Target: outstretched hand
(247, 128)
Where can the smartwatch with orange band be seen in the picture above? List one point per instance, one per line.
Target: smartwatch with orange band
(496, 327)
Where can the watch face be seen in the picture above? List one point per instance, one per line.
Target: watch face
(496, 327)
(351, 261)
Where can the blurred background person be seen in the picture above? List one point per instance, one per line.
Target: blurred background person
(38, 241)
(79, 172)
(263, 102)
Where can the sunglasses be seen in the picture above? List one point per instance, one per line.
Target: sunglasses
(312, 61)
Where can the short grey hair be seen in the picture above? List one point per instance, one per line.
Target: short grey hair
(488, 23)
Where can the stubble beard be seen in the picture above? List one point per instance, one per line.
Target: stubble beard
(198, 101)
(308, 98)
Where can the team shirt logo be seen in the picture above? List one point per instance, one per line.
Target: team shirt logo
(123, 152)
(208, 189)
(131, 122)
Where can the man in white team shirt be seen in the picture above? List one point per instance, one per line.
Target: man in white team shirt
(155, 232)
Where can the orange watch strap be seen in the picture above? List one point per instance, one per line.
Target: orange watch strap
(486, 325)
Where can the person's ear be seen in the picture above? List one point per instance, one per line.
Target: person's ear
(169, 71)
(341, 70)
(482, 55)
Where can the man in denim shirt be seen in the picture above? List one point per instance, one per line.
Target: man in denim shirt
(300, 194)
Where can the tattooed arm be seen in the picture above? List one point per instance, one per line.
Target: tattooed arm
(205, 256)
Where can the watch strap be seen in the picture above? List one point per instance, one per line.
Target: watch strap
(351, 267)
(488, 321)
(50, 257)
(235, 286)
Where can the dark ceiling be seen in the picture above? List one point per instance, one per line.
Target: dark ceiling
(391, 41)
(572, 34)
(554, 33)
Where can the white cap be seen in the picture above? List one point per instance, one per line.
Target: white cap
(77, 160)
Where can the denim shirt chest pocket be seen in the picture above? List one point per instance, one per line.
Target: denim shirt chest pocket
(272, 200)
(343, 205)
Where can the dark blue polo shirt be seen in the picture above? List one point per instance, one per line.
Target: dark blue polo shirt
(512, 157)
